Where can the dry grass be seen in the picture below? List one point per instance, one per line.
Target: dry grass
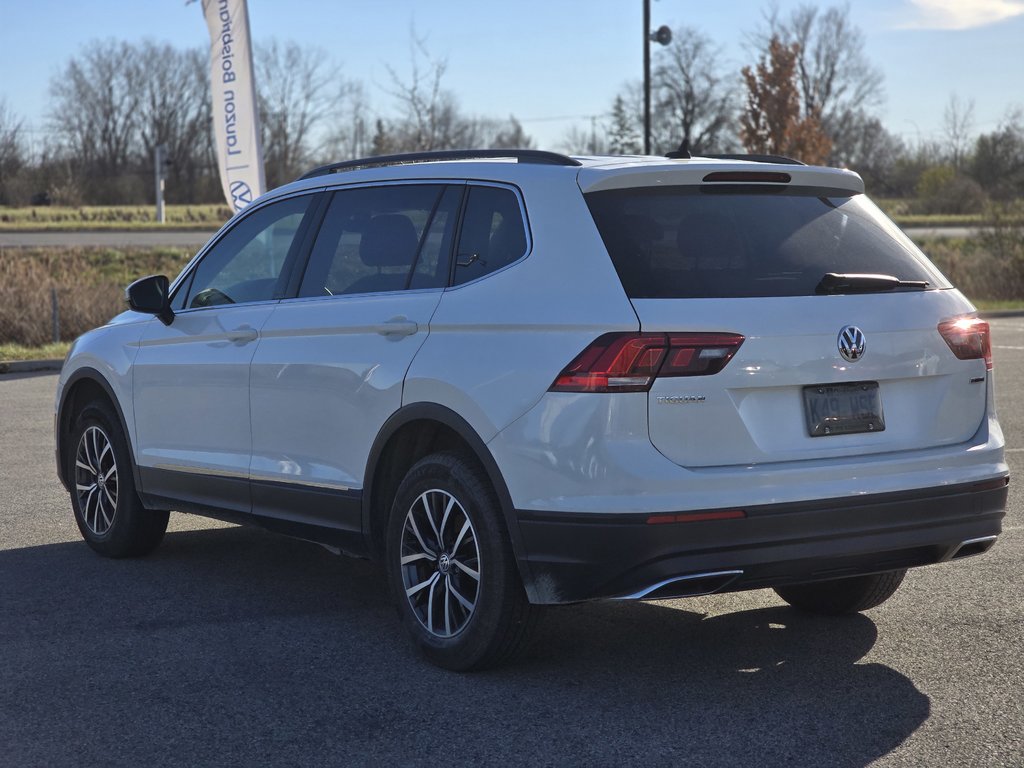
(988, 269)
(88, 282)
(114, 217)
(9, 352)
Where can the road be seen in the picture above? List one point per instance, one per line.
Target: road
(230, 646)
(178, 239)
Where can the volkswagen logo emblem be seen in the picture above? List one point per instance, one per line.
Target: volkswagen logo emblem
(851, 343)
(241, 194)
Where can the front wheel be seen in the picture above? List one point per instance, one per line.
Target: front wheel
(107, 508)
(451, 567)
(848, 595)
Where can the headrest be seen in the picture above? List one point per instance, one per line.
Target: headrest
(389, 241)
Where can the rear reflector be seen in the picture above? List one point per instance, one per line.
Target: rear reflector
(697, 517)
(991, 485)
(630, 362)
(969, 338)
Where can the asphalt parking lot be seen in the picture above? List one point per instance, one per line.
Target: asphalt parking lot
(230, 646)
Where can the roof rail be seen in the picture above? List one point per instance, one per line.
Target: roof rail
(521, 155)
(774, 159)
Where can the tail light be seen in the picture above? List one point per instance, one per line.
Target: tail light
(969, 338)
(630, 362)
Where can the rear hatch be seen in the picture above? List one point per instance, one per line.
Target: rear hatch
(754, 259)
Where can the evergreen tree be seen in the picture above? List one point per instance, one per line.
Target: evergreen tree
(623, 136)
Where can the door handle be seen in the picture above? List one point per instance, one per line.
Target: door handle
(398, 326)
(242, 335)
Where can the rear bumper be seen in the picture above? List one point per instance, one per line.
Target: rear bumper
(569, 557)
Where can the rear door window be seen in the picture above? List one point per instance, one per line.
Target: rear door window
(382, 238)
(696, 242)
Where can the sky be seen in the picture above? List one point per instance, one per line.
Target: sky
(551, 63)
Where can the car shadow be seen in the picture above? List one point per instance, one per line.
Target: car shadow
(231, 646)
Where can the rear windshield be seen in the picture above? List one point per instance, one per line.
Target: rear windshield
(738, 241)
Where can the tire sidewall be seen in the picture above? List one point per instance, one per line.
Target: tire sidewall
(458, 477)
(117, 536)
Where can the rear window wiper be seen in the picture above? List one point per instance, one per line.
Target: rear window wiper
(833, 282)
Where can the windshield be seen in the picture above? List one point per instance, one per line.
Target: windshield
(738, 241)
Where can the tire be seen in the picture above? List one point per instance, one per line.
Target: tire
(451, 568)
(107, 507)
(839, 596)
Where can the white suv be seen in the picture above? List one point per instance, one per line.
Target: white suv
(520, 378)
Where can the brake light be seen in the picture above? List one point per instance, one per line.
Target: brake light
(969, 338)
(630, 362)
(753, 176)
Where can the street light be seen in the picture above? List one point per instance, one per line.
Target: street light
(663, 36)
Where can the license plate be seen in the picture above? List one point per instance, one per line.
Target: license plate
(843, 409)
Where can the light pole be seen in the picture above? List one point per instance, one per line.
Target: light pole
(663, 36)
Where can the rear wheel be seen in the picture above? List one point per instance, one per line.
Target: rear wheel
(838, 596)
(107, 508)
(451, 567)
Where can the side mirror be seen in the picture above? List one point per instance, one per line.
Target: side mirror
(150, 295)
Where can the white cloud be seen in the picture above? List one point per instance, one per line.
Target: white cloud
(962, 14)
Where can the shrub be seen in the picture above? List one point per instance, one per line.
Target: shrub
(89, 285)
(941, 190)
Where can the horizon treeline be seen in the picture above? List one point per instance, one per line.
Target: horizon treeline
(114, 102)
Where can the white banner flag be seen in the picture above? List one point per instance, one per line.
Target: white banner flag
(236, 124)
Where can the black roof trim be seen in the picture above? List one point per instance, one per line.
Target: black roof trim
(537, 156)
(774, 159)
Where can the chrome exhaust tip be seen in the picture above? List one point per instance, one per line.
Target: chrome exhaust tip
(690, 585)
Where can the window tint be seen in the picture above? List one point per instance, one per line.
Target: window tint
(247, 263)
(435, 256)
(493, 234)
(691, 242)
(370, 238)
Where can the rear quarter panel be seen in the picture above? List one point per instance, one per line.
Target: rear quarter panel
(497, 344)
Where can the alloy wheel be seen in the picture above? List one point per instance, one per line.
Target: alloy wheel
(440, 562)
(96, 480)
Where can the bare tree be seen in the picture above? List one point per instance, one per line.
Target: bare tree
(174, 111)
(12, 150)
(957, 123)
(695, 100)
(507, 134)
(298, 91)
(95, 112)
(875, 153)
(835, 78)
(998, 162)
(353, 127)
(429, 115)
(585, 141)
